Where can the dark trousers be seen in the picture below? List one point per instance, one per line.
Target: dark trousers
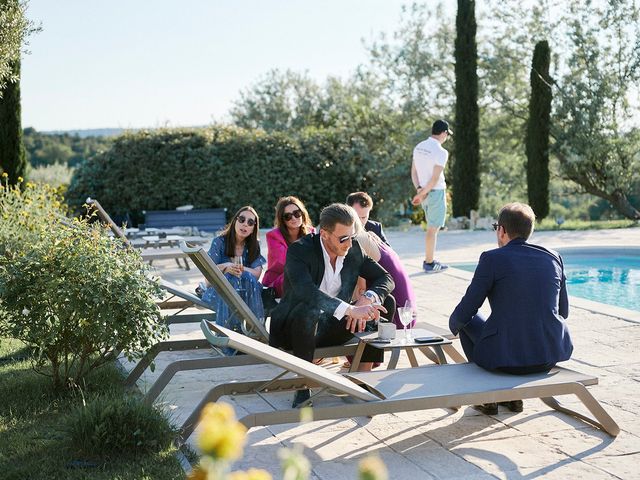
(305, 329)
(470, 334)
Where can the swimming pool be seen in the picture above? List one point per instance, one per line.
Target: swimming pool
(608, 275)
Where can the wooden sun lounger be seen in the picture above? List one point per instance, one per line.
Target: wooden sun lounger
(256, 329)
(148, 254)
(392, 391)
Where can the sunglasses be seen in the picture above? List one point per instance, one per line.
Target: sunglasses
(249, 221)
(345, 238)
(495, 226)
(289, 215)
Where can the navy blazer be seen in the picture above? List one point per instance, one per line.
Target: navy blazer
(526, 288)
(304, 271)
(376, 227)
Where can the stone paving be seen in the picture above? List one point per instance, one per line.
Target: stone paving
(442, 444)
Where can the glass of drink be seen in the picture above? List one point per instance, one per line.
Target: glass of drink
(406, 315)
(237, 260)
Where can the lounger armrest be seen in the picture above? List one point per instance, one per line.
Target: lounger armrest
(212, 338)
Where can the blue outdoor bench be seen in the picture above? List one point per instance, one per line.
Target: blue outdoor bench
(209, 220)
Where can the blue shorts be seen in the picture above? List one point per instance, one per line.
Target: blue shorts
(435, 208)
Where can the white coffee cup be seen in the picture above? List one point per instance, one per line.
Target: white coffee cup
(386, 330)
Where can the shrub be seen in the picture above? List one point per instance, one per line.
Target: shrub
(25, 211)
(55, 175)
(70, 290)
(226, 167)
(114, 426)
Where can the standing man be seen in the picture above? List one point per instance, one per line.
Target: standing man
(362, 203)
(427, 174)
(320, 275)
(526, 287)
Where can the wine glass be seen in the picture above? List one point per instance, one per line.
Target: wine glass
(406, 317)
(237, 260)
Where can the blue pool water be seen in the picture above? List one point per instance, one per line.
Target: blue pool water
(610, 277)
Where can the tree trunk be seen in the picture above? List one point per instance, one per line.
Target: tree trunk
(621, 203)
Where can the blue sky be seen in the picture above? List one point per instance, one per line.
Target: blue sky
(138, 63)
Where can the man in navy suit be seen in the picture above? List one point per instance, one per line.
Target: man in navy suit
(320, 276)
(526, 287)
(362, 203)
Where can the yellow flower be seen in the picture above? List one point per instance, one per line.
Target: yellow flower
(306, 415)
(5, 174)
(20, 179)
(251, 474)
(221, 436)
(221, 412)
(372, 468)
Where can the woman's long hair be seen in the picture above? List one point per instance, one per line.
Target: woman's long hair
(280, 224)
(229, 234)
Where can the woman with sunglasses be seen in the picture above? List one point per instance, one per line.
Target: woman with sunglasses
(236, 252)
(291, 223)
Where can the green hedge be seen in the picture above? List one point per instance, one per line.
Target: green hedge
(226, 167)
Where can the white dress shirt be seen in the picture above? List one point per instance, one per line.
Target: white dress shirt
(331, 281)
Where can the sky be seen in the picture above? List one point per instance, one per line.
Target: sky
(144, 63)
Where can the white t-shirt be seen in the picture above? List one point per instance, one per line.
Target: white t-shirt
(427, 155)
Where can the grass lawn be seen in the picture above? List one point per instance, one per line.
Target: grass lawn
(550, 224)
(34, 443)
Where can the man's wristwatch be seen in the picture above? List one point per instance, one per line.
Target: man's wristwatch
(371, 296)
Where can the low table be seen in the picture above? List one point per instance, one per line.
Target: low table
(158, 241)
(398, 344)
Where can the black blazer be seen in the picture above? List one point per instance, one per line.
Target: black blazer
(376, 228)
(303, 273)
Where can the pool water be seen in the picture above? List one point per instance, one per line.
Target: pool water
(613, 279)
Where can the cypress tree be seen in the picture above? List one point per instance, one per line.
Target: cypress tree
(13, 159)
(466, 177)
(537, 142)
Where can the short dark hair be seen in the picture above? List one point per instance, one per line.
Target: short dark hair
(517, 219)
(362, 198)
(336, 213)
(440, 126)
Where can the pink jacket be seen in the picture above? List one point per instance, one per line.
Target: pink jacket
(277, 246)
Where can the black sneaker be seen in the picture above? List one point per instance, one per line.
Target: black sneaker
(300, 398)
(514, 405)
(487, 408)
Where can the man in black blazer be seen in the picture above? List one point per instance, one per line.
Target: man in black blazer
(362, 203)
(320, 276)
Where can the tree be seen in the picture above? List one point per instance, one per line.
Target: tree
(414, 66)
(597, 139)
(466, 180)
(279, 101)
(537, 141)
(14, 29)
(13, 160)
